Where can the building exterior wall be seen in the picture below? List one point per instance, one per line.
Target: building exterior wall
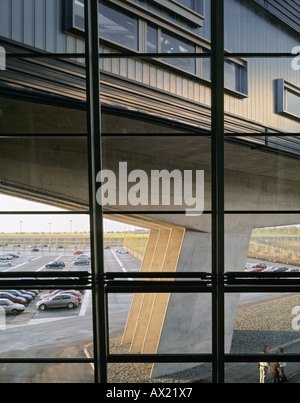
(248, 28)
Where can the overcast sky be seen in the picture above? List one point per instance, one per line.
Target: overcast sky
(45, 223)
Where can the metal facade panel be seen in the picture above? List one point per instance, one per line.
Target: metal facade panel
(286, 10)
(39, 24)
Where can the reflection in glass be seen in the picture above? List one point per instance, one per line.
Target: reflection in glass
(171, 44)
(152, 39)
(292, 103)
(118, 27)
(231, 76)
(31, 117)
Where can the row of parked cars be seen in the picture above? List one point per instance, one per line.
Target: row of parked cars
(15, 301)
(6, 260)
(262, 267)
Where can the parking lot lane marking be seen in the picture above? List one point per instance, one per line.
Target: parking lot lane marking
(58, 257)
(14, 267)
(41, 268)
(121, 264)
(119, 261)
(36, 258)
(85, 303)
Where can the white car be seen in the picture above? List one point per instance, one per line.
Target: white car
(10, 307)
(5, 263)
(5, 257)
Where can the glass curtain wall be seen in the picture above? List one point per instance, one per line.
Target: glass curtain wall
(74, 137)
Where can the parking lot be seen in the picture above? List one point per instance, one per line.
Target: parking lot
(37, 261)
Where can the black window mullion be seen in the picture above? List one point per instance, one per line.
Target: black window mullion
(96, 213)
(217, 121)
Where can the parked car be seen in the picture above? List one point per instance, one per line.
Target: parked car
(58, 301)
(18, 293)
(293, 270)
(35, 250)
(11, 307)
(271, 268)
(77, 252)
(58, 292)
(276, 269)
(30, 293)
(55, 264)
(121, 250)
(106, 247)
(13, 255)
(5, 257)
(83, 257)
(5, 263)
(281, 269)
(82, 261)
(254, 269)
(259, 266)
(13, 298)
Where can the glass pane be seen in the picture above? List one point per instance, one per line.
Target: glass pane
(152, 39)
(168, 182)
(231, 76)
(258, 180)
(261, 255)
(47, 373)
(262, 242)
(24, 117)
(171, 44)
(44, 238)
(43, 169)
(158, 329)
(293, 103)
(141, 373)
(32, 247)
(118, 26)
(270, 320)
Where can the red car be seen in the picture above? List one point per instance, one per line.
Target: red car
(13, 298)
(77, 252)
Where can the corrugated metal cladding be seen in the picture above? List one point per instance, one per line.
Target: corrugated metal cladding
(248, 28)
(38, 23)
(286, 10)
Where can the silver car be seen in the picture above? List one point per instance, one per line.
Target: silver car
(5, 263)
(58, 301)
(10, 307)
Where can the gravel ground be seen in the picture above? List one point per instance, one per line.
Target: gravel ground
(257, 324)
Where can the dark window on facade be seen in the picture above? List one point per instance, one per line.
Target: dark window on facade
(287, 99)
(118, 27)
(171, 44)
(152, 39)
(195, 5)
